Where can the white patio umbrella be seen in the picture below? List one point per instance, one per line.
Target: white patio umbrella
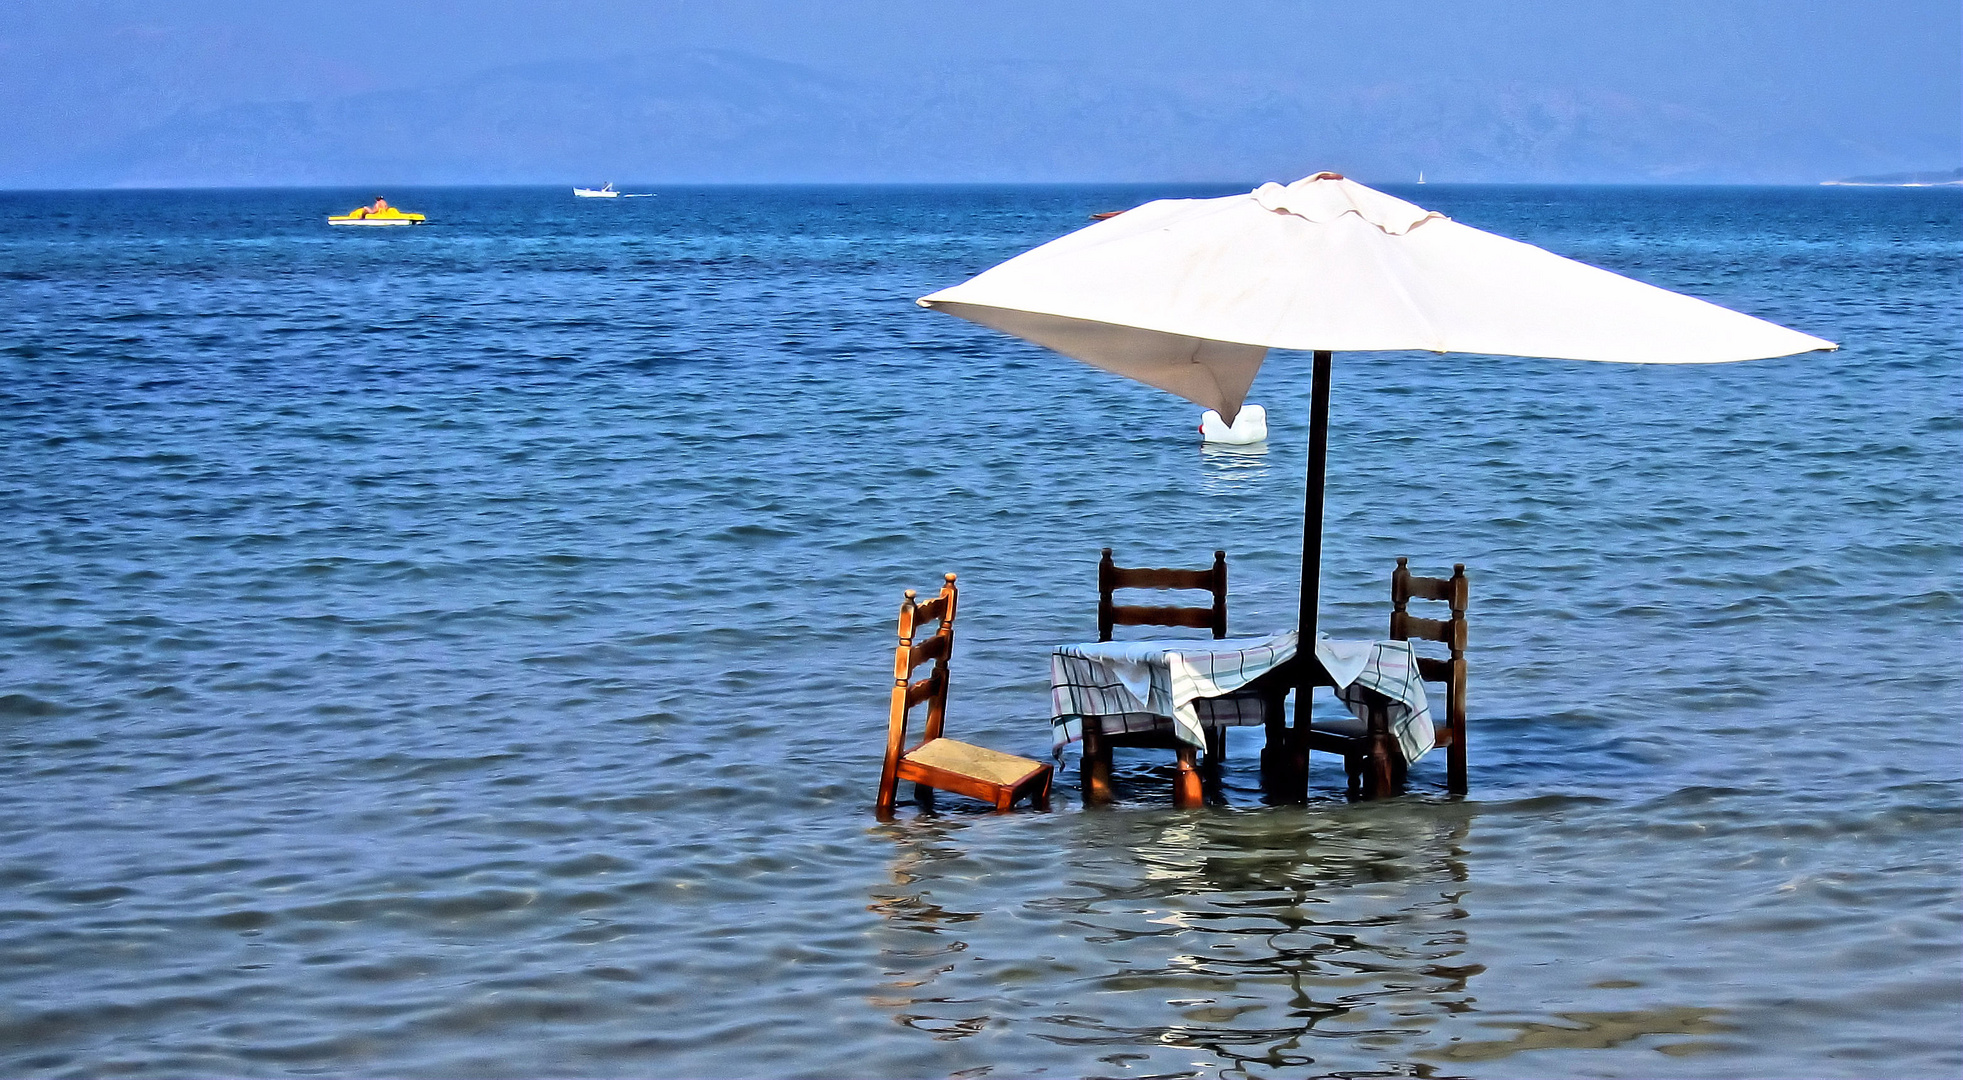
(1188, 295)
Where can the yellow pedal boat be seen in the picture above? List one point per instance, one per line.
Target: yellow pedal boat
(362, 215)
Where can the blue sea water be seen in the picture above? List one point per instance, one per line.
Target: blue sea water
(463, 650)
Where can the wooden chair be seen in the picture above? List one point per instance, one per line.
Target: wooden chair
(935, 762)
(1187, 789)
(1361, 748)
(1111, 577)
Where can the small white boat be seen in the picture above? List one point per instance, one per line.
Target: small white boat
(606, 192)
(1248, 428)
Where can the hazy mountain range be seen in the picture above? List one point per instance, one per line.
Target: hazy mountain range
(1903, 179)
(719, 116)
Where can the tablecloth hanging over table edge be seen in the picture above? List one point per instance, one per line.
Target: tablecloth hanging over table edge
(1162, 679)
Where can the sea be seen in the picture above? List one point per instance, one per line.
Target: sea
(464, 651)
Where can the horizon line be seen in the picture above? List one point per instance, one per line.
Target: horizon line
(707, 184)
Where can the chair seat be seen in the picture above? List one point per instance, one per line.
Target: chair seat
(1349, 737)
(1351, 727)
(972, 762)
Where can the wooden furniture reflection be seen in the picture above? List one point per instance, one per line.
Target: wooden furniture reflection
(1370, 755)
(936, 762)
(1096, 757)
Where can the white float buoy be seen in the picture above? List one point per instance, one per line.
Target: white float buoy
(1251, 426)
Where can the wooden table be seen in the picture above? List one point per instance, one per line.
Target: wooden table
(1139, 688)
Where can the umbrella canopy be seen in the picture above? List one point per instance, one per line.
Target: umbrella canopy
(1189, 294)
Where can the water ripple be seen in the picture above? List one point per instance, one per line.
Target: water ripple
(465, 653)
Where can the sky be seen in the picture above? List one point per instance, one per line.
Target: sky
(218, 92)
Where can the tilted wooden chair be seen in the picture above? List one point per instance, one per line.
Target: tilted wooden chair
(1096, 758)
(935, 762)
(1356, 743)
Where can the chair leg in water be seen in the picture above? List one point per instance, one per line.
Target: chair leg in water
(1039, 797)
(1186, 788)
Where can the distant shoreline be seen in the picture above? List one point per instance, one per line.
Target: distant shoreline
(1932, 178)
(1868, 183)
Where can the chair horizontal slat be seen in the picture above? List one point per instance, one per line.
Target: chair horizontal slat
(924, 689)
(1142, 578)
(934, 648)
(1434, 670)
(1202, 618)
(1428, 588)
(1405, 625)
(929, 611)
(1410, 626)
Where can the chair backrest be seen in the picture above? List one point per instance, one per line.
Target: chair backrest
(1404, 626)
(937, 646)
(1112, 577)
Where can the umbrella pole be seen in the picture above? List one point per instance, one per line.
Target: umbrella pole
(1312, 512)
(1308, 669)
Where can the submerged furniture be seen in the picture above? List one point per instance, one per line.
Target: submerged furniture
(935, 762)
(1164, 693)
(1251, 705)
(1371, 758)
(1167, 685)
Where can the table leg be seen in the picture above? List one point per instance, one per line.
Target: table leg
(1298, 761)
(1285, 761)
(1382, 777)
(1095, 768)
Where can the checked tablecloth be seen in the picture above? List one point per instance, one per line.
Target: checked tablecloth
(1187, 684)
